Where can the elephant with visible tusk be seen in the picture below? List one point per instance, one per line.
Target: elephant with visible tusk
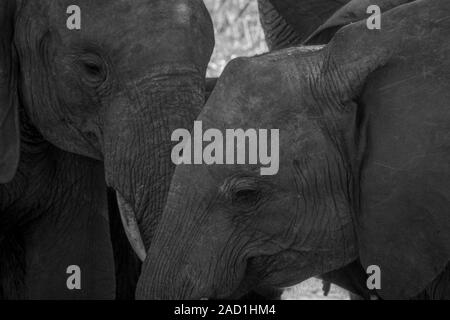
(81, 110)
(364, 168)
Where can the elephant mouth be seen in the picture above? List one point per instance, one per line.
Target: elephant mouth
(245, 284)
(131, 227)
(250, 280)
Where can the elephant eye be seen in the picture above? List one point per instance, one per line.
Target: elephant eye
(244, 191)
(94, 73)
(93, 69)
(246, 197)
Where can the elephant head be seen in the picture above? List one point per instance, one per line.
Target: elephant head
(364, 155)
(112, 91)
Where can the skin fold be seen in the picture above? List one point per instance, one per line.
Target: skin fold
(81, 110)
(364, 173)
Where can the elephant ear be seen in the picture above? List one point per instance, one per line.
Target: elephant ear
(352, 12)
(9, 120)
(395, 83)
(288, 23)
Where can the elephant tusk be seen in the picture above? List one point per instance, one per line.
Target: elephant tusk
(131, 227)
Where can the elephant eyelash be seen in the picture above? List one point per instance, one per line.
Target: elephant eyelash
(241, 191)
(237, 180)
(247, 197)
(93, 68)
(96, 71)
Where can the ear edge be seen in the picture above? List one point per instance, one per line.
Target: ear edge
(352, 12)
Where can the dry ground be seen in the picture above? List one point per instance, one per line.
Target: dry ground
(312, 290)
(238, 33)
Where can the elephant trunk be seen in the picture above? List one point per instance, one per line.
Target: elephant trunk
(175, 273)
(138, 145)
(208, 266)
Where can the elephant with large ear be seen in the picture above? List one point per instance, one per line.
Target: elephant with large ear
(81, 107)
(363, 173)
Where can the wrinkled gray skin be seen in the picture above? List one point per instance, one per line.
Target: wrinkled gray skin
(79, 108)
(364, 170)
(288, 23)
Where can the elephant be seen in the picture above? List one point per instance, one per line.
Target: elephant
(83, 110)
(279, 23)
(363, 174)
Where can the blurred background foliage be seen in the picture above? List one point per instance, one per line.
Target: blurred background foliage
(238, 32)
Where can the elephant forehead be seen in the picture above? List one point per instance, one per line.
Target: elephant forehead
(122, 14)
(265, 90)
